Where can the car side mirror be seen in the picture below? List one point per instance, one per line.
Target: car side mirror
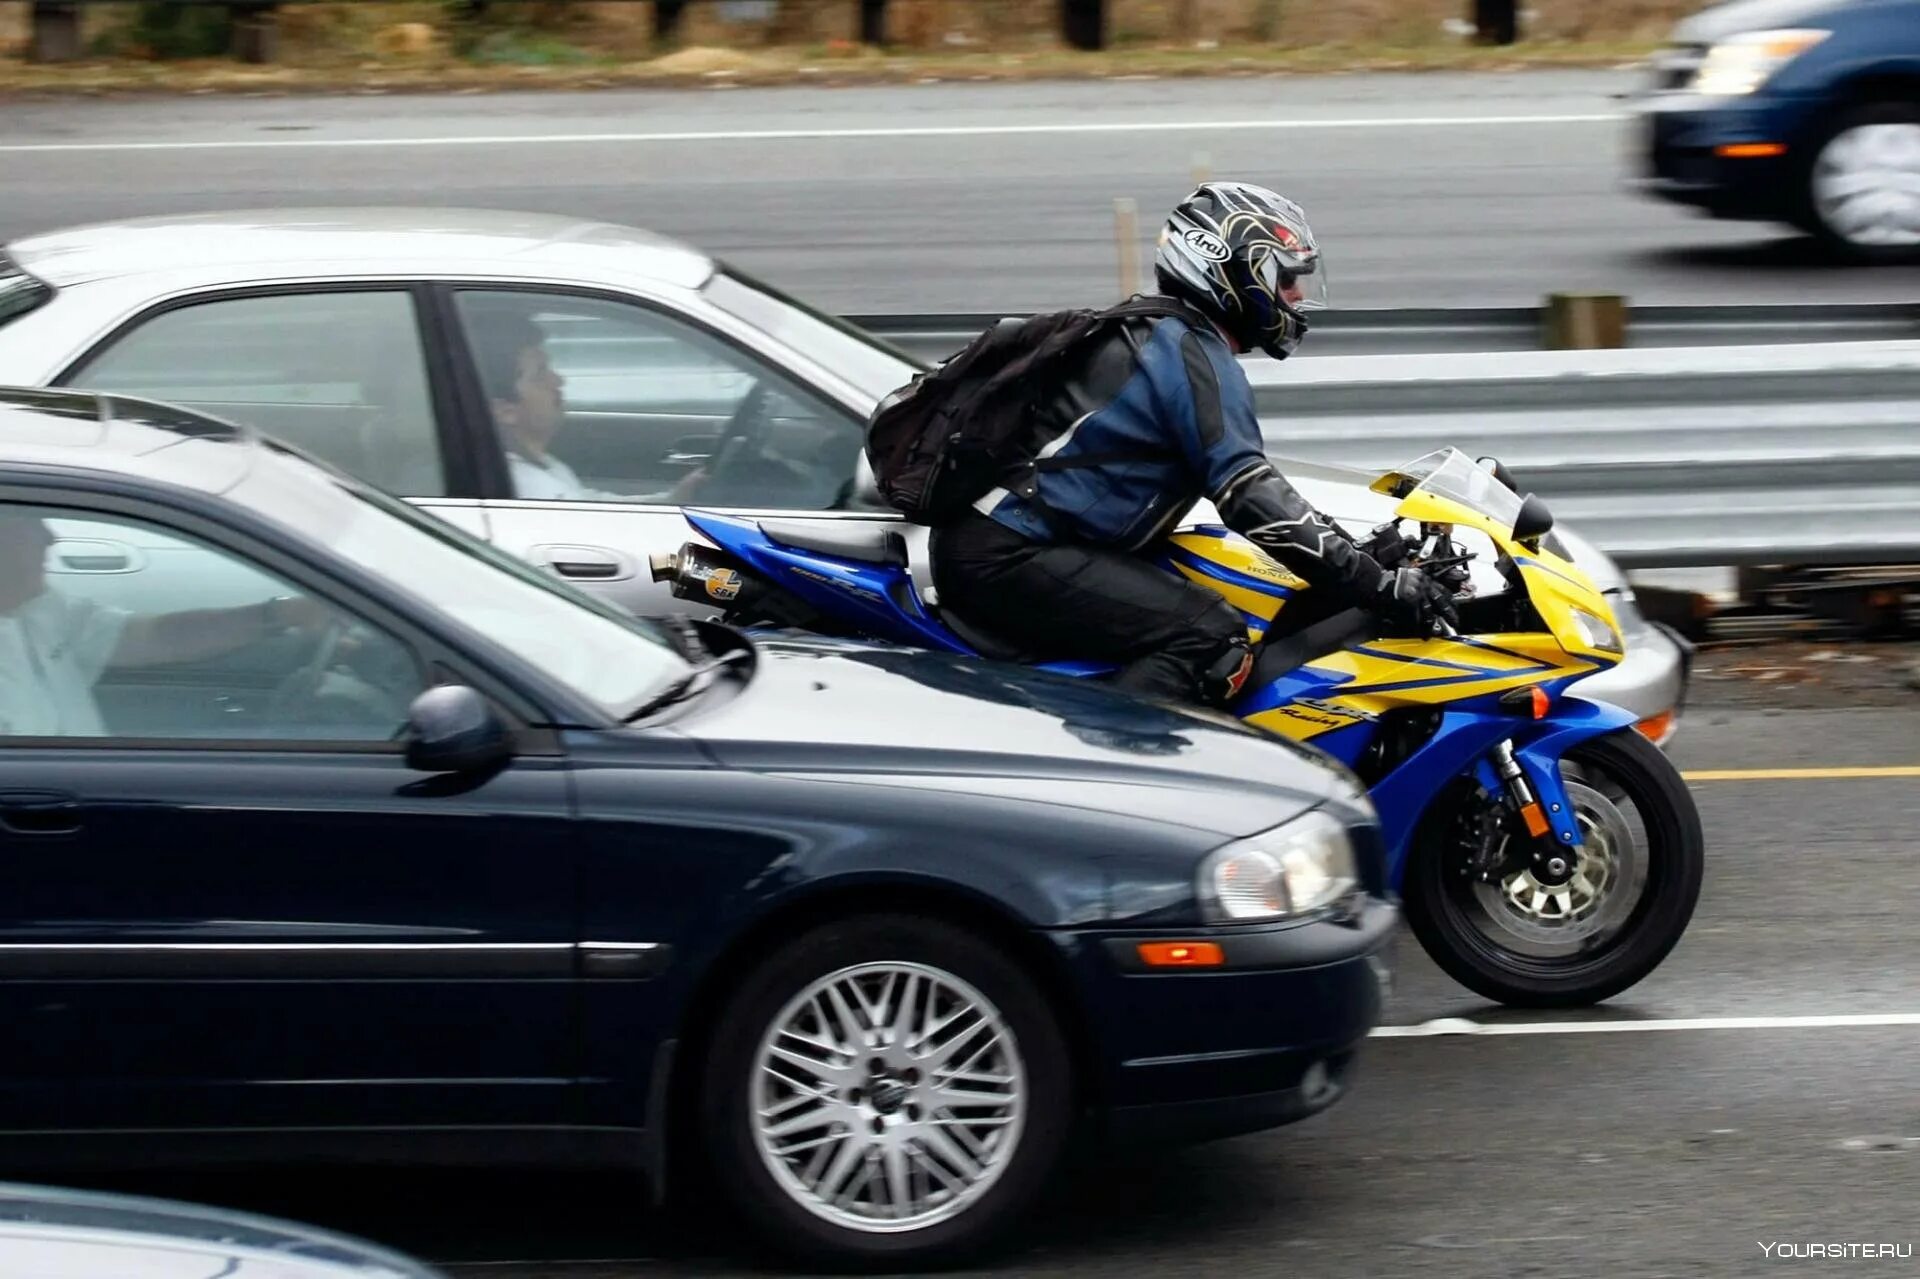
(1534, 522)
(452, 729)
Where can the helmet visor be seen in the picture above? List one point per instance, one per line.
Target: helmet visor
(1303, 291)
(1302, 287)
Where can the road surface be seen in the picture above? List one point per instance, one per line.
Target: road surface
(1428, 190)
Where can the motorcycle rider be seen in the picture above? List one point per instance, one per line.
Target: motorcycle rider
(1164, 415)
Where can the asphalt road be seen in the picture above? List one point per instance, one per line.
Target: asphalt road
(1669, 1149)
(1435, 190)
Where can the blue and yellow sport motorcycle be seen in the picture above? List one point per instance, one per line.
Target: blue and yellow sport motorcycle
(1547, 854)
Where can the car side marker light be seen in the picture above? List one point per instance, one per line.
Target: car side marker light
(1181, 954)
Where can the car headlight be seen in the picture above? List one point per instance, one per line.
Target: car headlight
(1597, 632)
(1290, 870)
(1742, 64)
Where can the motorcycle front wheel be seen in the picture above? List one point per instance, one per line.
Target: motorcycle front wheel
(1534, 944)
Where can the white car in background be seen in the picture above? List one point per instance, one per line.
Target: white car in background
(343, 331)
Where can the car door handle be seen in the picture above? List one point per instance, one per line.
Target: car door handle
(96, 563)
(586, 568)
(94, 555)
(591, 563)
(39, 812)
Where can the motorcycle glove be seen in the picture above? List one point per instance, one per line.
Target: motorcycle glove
(1263, 507)
(1411, 599)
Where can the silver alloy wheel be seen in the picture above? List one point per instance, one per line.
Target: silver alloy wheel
(1608, 876)
(1866, 185)
(888, 1097)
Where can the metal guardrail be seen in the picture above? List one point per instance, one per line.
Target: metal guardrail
(1480, 329)
(1709, 456)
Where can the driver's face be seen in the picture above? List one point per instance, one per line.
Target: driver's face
(24, 540)
(539, 405)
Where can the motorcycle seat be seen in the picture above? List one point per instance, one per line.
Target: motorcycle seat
(845, 541)
(984, 642)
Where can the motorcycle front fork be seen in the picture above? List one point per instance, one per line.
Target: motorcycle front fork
(1550, 862)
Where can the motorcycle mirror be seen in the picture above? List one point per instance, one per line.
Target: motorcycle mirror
(1498, 470)
(1534, 522)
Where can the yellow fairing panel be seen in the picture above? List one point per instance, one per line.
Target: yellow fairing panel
(1380, 675)
(1557, 586)
(1259, 592)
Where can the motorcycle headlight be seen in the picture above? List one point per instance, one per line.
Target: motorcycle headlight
(1290, 870)
(1597, 632)
(1736, 67)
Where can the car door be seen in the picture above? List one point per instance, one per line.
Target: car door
(225, 899)
(610, 414)
(340, 370)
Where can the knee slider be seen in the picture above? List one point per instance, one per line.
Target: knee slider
(1227, 674)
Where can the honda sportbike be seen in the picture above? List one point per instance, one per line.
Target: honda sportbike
(1546, 853)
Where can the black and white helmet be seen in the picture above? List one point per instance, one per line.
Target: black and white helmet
(1245, 256)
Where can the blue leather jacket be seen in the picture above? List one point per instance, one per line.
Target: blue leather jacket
(1159, 416)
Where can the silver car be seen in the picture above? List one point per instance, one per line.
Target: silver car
(55, 1233)
(373, 338)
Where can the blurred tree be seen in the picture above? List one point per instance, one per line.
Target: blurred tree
(1266, 20)
(666, 19)
(171, 29)
(1496, 21)
(1084, 23)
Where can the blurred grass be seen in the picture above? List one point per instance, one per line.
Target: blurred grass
(425, 44)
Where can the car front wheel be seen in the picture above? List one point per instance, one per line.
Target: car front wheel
(1863, 184)
(886, 1090)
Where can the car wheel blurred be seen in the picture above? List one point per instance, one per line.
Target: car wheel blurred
(1863, 184)
(885, 1091)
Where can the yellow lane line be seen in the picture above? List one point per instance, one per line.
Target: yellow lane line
(1798, 774)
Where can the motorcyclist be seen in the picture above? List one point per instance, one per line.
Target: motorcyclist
(1169, 414)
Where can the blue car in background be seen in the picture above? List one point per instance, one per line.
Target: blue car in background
(1805, 112)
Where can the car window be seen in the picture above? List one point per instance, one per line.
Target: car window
(114, 627)
(604, 401)
(609, 656)
(341, 375)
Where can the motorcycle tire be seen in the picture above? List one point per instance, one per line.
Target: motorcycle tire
(1455, 926)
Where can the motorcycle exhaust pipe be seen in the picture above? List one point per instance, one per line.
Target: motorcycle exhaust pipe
(697, 572)
(708, 575)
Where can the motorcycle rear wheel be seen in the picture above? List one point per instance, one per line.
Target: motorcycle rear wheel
(1568, 946)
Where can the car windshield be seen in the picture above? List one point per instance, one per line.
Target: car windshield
(1451, 474)
(613, 659)
(865, 359)
(19, 292)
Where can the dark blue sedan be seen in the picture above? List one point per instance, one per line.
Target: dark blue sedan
(1798, 111)
(327, 830)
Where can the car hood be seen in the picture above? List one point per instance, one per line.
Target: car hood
(1724, 20)
(964, 725)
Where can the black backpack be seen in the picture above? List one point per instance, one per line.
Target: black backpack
(956, 432)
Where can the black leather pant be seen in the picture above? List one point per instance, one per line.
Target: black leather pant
(1084, 603)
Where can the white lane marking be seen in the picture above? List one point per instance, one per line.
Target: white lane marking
(1464, 1026)
(785, 135)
